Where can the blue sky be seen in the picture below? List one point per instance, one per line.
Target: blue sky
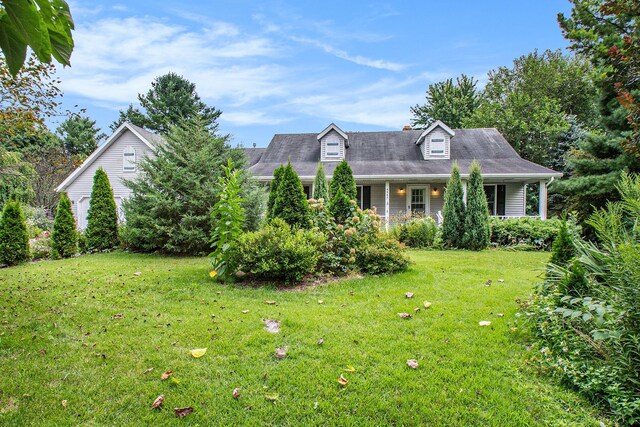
(287, 67)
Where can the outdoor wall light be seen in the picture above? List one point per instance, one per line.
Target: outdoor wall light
(435, 191)
(401, 189)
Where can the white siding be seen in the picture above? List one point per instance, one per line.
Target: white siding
(377, 198)
(426, 145)
(436, 201)
(111, 160)
(515, 201)
(332, 135)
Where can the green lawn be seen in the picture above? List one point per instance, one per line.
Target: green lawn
(60, 340)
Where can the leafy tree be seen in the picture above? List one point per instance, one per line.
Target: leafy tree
(15, 174)
(227, 219)
(320, 187)
(80, 136)
(14, 237)
(171, 100)
(50, 164)
(26, 100)
(273, 190)
(102, 218)
(64, 238)
(291, 202)
(453, 211)
(477, 232)
(340, 207)
(449, 102)
(43, 25)
(172, 197)
(530, 103)
(343, 178)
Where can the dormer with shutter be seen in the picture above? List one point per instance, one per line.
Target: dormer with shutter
(435, 141)
(333, 143)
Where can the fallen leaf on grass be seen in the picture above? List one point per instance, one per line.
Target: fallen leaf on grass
(175, 381)
(404, 315)
(426, 304)
(272, 396)
(321, 341)
(245, 311)
(272, 326)
(409, 294)
(281, 352)
(159, 400)
(182, 412)
(343, 381)
(484, 323)
(269, 302)
(412, 363)
(417, 309)
(236, 392)
(320, 301)
(501, 280)
(198, 352)
(137, 273)
(148, 370)
(166, 375)
(350, 369)
(118, 316)
(64, 404)
(500, 314)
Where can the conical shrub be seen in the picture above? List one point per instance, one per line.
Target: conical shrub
(14, 237)
(477, 231)
(102, 219)
(64, 238)
(453, 211)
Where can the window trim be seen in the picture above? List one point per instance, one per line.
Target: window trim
(332, 141)
(127, 164)
(495, 199)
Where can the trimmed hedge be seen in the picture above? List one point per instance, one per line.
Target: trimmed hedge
(524, 233)
(14, 237)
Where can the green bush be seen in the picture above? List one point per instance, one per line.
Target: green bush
(291, 202)
(14, 237)
(453, 211)
(64, 238)
(586, 318)
(477, 232)
(384, 255)
(273, 190)
(341, 207)
(343, 178)
(562, 250)
(278, 252)
(40, 247)
(320, 186)
(102, 219)
(526, 233)
(417, 233)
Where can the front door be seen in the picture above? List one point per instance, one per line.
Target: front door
(418, 199)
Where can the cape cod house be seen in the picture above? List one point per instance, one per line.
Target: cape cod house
(406, 171)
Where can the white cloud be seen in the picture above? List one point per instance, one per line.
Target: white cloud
(356, 59)
(248, 118)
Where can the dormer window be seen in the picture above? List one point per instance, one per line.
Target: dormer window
(333, 143)
(437, 145)
(435, 141)
(129, 160)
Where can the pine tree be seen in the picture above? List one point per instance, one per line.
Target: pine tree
(102, 219)
(171, 199)
(291, 203)
(477, 231)
(343, 178)
(340, 207)
(562, 250)
(453, 212)
(320, 188)
(64, 238)
(14, 237)
(273, 190)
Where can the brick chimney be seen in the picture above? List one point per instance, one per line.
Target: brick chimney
(406, 127)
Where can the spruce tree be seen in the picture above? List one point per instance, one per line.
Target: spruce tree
(343, 178)
(453, 212)
(291, 203)
(64, 238)
(320, 188)
(14, 237)
(477, 231)
(273, 190)
(102, 219)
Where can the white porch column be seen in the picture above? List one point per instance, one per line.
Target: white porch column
(464, 192)
(542, 208)
(386, 205)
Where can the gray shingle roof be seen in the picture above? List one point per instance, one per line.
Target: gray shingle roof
(148, 135)
(253, 155)
(395, 153)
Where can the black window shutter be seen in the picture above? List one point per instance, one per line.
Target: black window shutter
(307, 191)
(366, 197)
(501, 200)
